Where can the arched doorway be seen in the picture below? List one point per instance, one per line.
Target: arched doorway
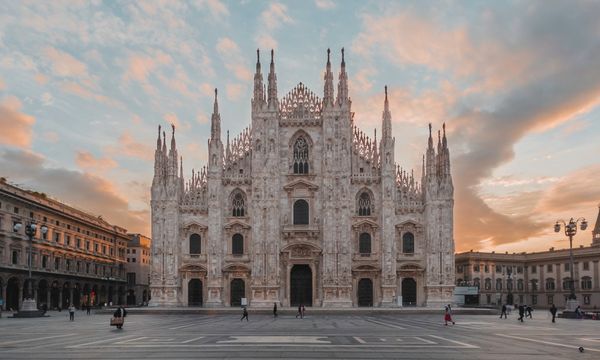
(409, 292)
(195, 292)
(237, 292)
(12, 294)
(66, 295)
(365, 292)
(130, 297)
(42, 292)
(301, 285)
(54, 295)
(77, 296)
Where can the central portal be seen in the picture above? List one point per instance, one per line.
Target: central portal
(238, 290)
(301, 285)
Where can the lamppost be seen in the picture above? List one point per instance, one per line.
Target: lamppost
(509, 285)
(570, 231)
(29, 308)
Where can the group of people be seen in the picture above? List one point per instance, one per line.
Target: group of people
(524, 311)
(301, 311)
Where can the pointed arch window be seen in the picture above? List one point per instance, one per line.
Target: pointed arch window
(408, 243)
(238, 206)
(364, 204)
(364, 244)
(301, 212)
(301, 156)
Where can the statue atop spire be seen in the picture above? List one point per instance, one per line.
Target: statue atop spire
(272, 90)
(328, 89)
(173, 146)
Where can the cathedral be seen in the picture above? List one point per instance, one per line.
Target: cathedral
(302, 207)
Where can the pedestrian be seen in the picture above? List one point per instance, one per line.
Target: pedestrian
(521, 312)
(71, 312)
(44, 308)
(299, 311)
(529, 309)
(244, 314)
(578, 312)
(88, 309)
(303, 311)
(275, 309)
(553, 312)
(503, 311)
(448, 316)
(120, 314)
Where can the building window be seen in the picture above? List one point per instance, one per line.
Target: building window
(586, 265)
(520, 298)
(56, 263)
(364, 244)
(104, 249)
(78, 266)
(549, 268)
(300, 156)
(586, 283)
(509, 284)
(364, 204)
(44, 261)
(550, 299)
(498, 284)
(16, 210)
(237, 205)
(133, 259)
(301, 212)
(519, 269)
(533, 299)
(87, 268)
(56, 237)
(87, 245)
(44, 235)
(488, 299)
(586, 299)
(550, 284)
(131, 279)
(476, 282)
(486, 268)
(15, 257)
(459, 268)
(408, 243)
(133, 251)
(488, 284)
(195, 244)
(68, 240)
(498, 268)
(95, 247)
(237, 244)
(534, 269)
(68, 264)
(476, 268)
(567, 267)
(520, 284)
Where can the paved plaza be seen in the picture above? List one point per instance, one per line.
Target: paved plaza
(409, 336)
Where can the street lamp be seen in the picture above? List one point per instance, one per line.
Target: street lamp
(29, 308)
(570, 231)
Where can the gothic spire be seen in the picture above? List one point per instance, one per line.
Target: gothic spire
(173, 145)
(227, 148)
(596, 231)
(158, 143)
(386, 118)
(328, 89)
(272, 100)
(215, 123)
(259, 95)
(430, 159)
(342, 96)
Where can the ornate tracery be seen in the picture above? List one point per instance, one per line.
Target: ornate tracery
(301, 156)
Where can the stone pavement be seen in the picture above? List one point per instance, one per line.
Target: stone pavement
(410, 336)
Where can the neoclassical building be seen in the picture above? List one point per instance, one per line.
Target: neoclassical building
(302, 207)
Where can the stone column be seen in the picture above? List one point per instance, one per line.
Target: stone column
(596, 279)
(21, 295)
(60, 297)
(70, 295)
(49, 299)
(3, 294)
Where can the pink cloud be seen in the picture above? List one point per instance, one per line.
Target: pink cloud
(16, 126)
(64, 64)
(233, 59)
(87, 161)
(234, 91)
(130, 147)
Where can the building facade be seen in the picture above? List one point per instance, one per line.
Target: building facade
(138, 269)
(302, 208)
(539, 279)
(79, 260)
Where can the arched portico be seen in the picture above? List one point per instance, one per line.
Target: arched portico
(301, 263)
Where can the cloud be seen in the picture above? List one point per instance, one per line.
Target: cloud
(234, 91)
(216, 8)
(128, 146)
(578, 190)
(85, 93)
(140, 66)
(172, 118)
(41, 78)
(275, 16)
(87, 161)
(202, 118)
(2, 85)
(82, 190)
(47, 99)
(325, 4)
(16, 126)
(266, 41)
(230, 53)
(64, 64)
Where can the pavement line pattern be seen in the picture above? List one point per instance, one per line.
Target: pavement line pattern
(34, 339)
(192, 340)
(131, 340)
(383, 323)
(546, 342)
(359, 340)
(99, 341)
(469, 346)
(425, 340)
(276, 340)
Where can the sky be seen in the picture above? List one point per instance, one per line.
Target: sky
(84, 85)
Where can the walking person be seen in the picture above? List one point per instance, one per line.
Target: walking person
(299, 311)
(503, 311)
(88, 309)
(578, 312)
(448, 315)
(274, 310)
(71, 312)
(529, 309)
(303, 311)
(521, 312)
(120, 316)
(553, 312)
(244, 314)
